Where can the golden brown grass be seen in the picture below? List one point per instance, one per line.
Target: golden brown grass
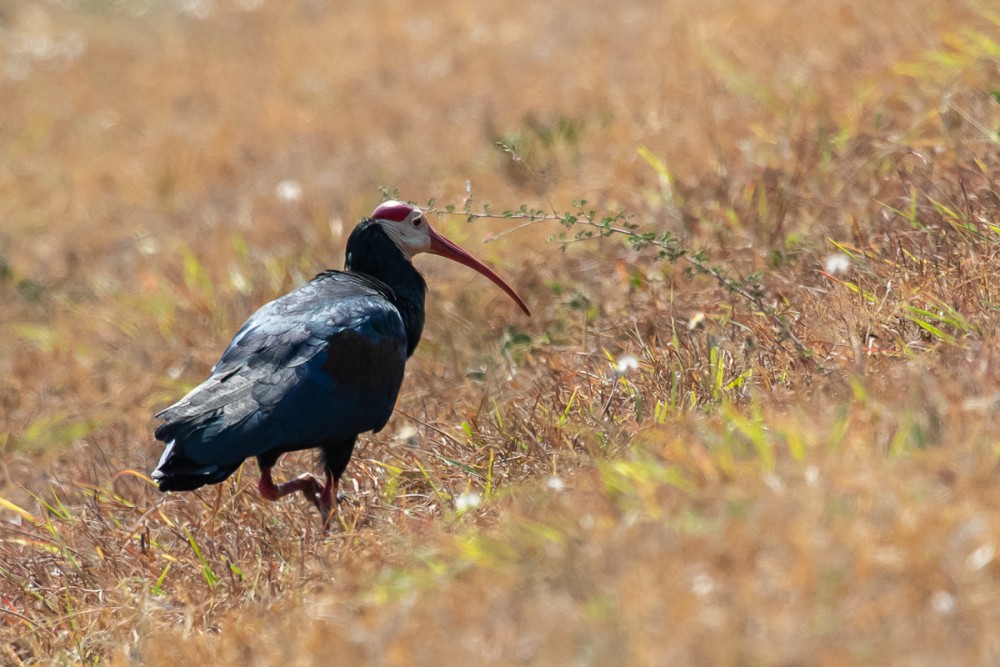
(734, 499)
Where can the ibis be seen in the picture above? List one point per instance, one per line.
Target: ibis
(314, 368)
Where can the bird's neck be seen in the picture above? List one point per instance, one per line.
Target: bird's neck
(370, 251)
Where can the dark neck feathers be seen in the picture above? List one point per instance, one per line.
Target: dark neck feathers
(370, 251)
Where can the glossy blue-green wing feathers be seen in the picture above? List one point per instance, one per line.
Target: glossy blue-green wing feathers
(317, 366)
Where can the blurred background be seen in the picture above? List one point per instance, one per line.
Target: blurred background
(168, 167)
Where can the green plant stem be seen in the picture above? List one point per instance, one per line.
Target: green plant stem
(666, 243)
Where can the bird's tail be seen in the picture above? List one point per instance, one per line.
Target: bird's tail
(178, 472)
(202, 434)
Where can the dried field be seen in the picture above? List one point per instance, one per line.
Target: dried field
(752, 421)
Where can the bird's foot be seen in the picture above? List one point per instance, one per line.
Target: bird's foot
(323, 496)
(308, 484)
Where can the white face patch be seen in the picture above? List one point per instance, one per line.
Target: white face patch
(411, 234)
(408, 228)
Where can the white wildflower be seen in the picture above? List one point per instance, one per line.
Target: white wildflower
(981, 557)
(626, 364)
(407, 436)
(288, 191)
(837, 263)
(696, 321)
(774, 482)
(199, 9)
(467, 501)
(943, 603)
(702, 584)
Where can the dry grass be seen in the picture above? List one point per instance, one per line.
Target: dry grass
(733, 499)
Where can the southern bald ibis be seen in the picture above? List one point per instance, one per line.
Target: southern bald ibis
(314, 368)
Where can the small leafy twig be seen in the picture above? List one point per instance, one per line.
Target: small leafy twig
(589, 226)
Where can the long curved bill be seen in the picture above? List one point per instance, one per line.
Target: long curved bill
(445, 248)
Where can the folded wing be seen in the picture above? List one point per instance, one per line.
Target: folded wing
(319, 365)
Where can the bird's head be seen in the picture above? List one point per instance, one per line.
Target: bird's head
(408, 228)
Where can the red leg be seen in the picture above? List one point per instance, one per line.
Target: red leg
(327, 500)
(306, 483)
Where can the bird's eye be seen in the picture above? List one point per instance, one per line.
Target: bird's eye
(418, 220)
